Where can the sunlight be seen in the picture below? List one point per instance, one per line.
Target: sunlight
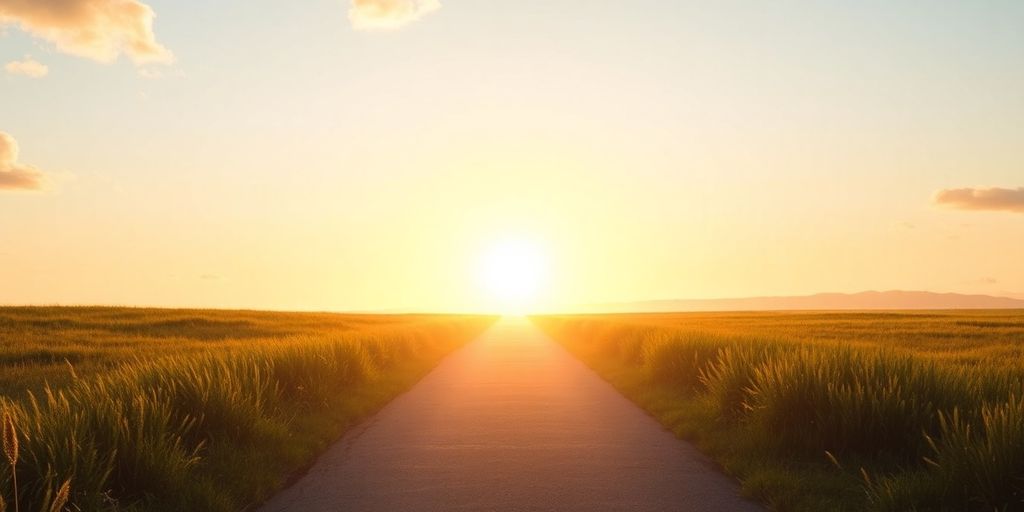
(513, 271)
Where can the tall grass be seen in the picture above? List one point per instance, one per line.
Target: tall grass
(918, 431)
(209, 430)
(51, 501)
(53, 345)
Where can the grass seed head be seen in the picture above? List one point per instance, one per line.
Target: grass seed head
(61, 498)
(10, 435)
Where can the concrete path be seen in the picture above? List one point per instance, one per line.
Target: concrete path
(511, 422)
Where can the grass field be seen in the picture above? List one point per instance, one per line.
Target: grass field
(831, 411)
(148, 409)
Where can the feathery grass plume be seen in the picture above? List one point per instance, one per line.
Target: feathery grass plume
(71, 369)
(10, 442)
(833, 460)
(61, 498)
(10, 435)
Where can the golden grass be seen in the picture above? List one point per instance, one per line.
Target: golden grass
(834, 411)
(144, 409)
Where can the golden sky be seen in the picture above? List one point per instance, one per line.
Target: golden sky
(370, 155)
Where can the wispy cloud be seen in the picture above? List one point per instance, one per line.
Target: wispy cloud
(101, 30)
(14, 175)
(982, 199)
(388, 14)
(27, 67)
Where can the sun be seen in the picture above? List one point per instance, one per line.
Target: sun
(513, 271)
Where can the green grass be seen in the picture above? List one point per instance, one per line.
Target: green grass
(831, 411)
(170, 410)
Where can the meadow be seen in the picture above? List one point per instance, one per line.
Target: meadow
(122, 409)
(889, 411)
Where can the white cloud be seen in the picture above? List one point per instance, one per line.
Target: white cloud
(101, 30)
(14, 175)
(388, 14)
(27, 67)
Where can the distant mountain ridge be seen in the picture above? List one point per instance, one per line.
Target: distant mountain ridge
(870, 300)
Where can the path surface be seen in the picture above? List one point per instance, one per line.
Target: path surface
(511, 422)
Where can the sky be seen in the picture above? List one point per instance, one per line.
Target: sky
(366, 154)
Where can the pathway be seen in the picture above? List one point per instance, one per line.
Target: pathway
(511, 422)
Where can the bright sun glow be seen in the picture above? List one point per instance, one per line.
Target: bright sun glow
(514, 272)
